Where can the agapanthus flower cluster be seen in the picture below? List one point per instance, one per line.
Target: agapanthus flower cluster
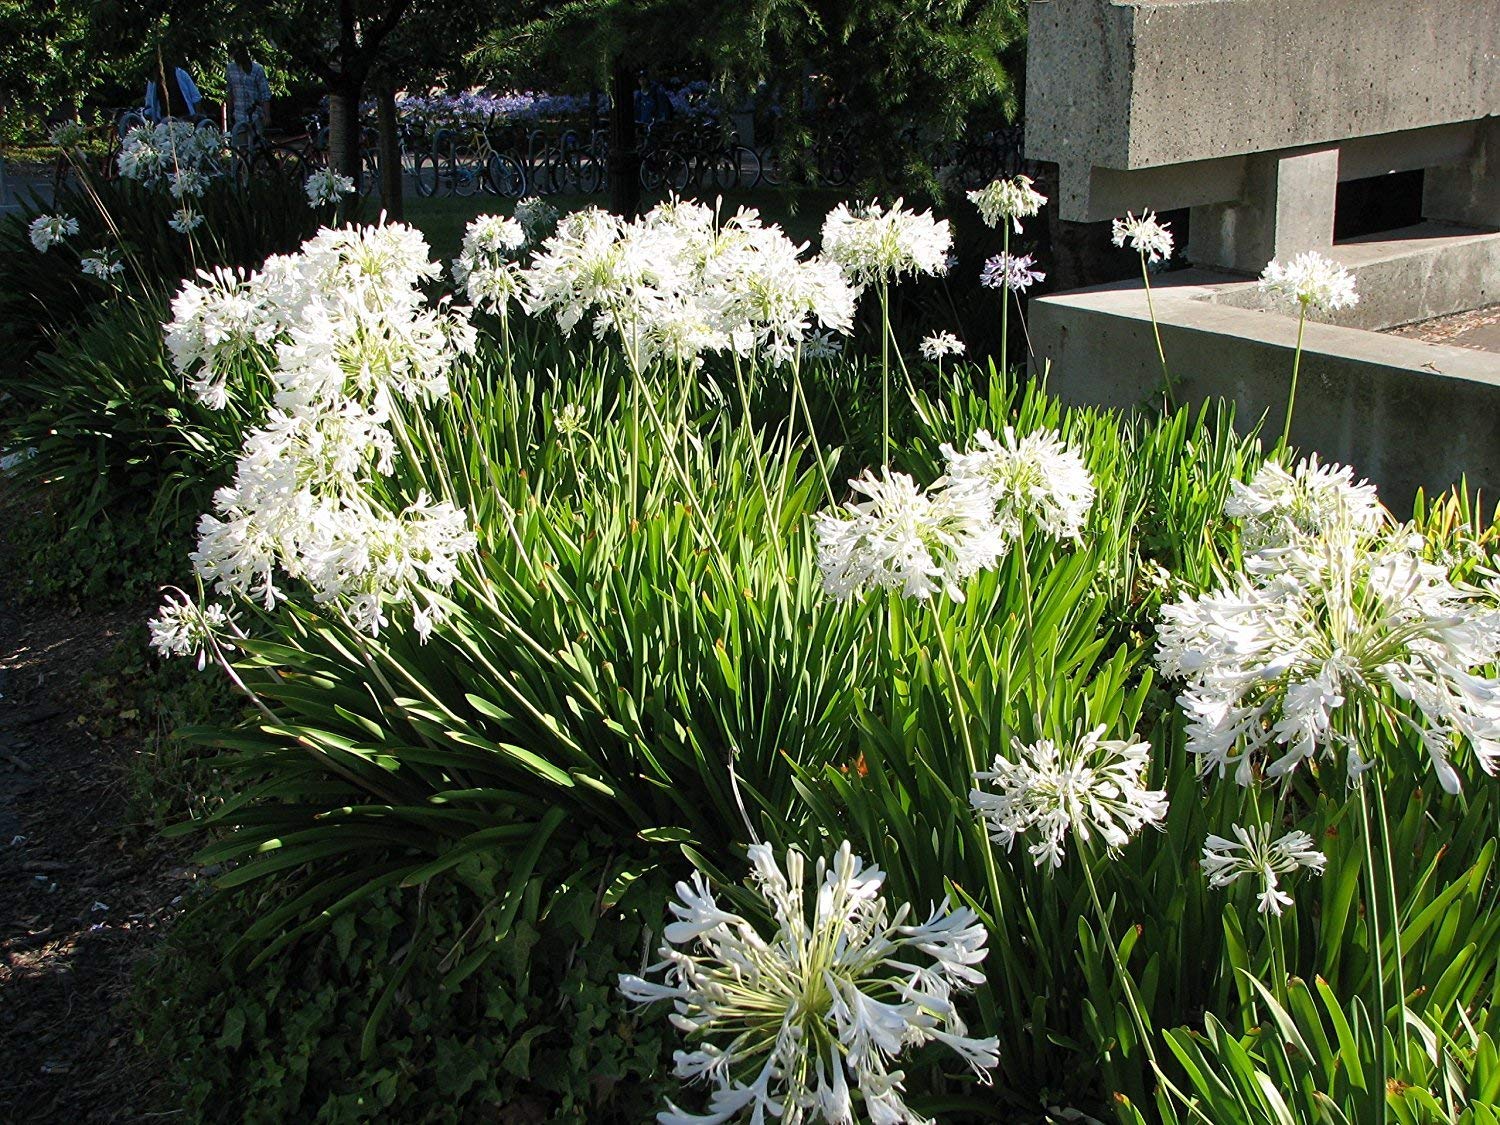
(186, 183)
(924, 541)
(183, 628)
(105, 263)
(941, 344)
(804, 1025)
(1258, 854)
(486, 265)
(47, 231)
(325, 187)
(903, 538)
(1034, 478)
(872, 244)
(1311, 282)
(1010, 271)
(1340, 629)
(537, 217)
(185, 220)
(152, 153)
(345, 336)
(68, 135)
(1091, 786)
(1014, 199)
(678, 283)
(1146, 235)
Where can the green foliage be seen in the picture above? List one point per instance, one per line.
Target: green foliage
(381, 1018)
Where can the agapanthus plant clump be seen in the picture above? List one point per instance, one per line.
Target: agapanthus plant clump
(346, 337)
(47, 231)
(1086, 787)
(802, 1020)
(1340, 630)
(1257, 853)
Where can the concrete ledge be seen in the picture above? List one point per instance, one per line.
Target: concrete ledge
(1407, 414)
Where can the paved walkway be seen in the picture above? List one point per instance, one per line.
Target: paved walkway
(1479, 329)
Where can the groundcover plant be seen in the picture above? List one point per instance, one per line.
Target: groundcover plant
(598, 549)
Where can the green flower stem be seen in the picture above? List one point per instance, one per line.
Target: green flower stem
(992, 876)
(1004, 304)
(1027, 612)
(1291, 398)
(1166, 374)
(885, 373)
(1372, 916)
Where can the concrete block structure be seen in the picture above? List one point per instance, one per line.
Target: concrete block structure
(1250, 113)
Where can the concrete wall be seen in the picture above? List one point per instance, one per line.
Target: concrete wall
(1404, 413)
(1135, 84)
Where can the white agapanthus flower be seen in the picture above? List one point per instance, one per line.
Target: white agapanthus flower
(105, 264)
(1147, 235)
(537, 217)
(325, 187)
(186, 183)
(1255, 852)
(152, 154)
(344, 334)
(676, 283)
(1311, 282)
(871, 244)
(1304, 657)
(821, 344)
(803, 1024)
(69, 135)
(47, 231)
(183, 628)
(1012, 199)
(941, 344)
(185, 220)
(1280, 510)
(1091, 786)
(1036, 478)
(902, 538)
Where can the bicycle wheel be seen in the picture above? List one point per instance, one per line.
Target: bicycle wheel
(679, 173)
(465, 172)
(747, 164)
(589, 172)
(426, 173)
(505, 176)
(722, 171)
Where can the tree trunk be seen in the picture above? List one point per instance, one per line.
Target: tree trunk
(343, 130)
(624, 156)
(390, 153)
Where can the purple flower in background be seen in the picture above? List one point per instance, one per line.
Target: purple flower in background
(1007, 271)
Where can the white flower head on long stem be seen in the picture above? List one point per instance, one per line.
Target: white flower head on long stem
(1257, 854)
(1280, 510)
(1091, 786)
(1146, 235)
(105, 264)
(941, 344)
(1009, 271)
(47, 231)
(183, 628)
(1037, 478)
(1310, 282)
(902, 538)
(871, 244)
(802, 1023)
(325, 187)
(1014, 199)
(537, 217)
(185, 220)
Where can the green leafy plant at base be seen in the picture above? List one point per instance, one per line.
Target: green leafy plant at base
(381, 1017)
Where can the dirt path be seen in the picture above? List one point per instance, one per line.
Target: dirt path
(82, 892)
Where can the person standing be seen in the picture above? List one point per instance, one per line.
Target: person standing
(249, 95)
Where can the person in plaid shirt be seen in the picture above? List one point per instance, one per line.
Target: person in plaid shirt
(249, 95)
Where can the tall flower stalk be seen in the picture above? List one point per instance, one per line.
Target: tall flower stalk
(1152, 240)
(1313, 283)
(1004, 203)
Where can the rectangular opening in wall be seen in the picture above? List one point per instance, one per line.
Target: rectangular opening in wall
(1377, 203)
